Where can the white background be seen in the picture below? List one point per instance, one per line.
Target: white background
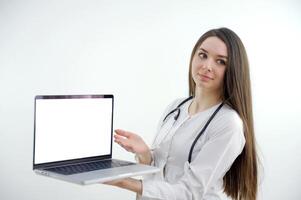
(139, 51)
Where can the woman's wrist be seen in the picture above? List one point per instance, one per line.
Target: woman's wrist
(145, 158)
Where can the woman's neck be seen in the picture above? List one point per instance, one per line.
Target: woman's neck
(204, 100)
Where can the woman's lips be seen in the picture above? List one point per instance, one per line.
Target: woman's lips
(205, 77)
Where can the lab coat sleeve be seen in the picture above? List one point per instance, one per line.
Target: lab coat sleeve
(207, 168)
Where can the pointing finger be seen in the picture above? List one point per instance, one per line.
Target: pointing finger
(122, 133)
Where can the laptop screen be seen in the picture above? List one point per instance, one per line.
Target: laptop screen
(72, 127)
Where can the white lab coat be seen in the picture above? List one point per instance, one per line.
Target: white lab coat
(212, 157)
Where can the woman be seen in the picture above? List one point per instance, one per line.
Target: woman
(220, 159)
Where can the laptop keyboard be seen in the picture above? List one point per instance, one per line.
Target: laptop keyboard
(86, 167)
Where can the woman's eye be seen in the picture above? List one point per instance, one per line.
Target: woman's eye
(202, 55)
(221, 62)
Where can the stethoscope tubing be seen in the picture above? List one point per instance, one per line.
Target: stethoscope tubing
(177, 109)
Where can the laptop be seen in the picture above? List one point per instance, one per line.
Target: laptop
(73, 137)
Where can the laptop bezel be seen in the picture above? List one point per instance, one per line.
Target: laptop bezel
(77, 160)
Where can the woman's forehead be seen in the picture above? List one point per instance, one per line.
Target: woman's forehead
(214, 45)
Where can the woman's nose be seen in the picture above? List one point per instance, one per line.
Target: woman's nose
(207, 66)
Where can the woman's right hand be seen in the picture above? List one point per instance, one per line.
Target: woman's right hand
(133, 143)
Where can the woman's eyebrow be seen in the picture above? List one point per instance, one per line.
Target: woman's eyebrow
(226, 57)
(222, 56)
(204, 50)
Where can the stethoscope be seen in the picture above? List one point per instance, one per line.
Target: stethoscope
(178, 110)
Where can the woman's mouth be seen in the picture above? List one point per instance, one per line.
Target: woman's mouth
(204, 77)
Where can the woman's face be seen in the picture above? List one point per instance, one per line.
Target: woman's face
(209, 64)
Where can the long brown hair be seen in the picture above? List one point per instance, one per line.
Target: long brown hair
(240, 182)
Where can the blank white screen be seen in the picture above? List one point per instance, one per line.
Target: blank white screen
(72, 128)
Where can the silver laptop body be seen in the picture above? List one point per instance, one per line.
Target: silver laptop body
(73, 137)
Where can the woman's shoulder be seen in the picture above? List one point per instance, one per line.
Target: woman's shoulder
(228, 118)
(228, 125)
(173, 104)
(229, 113)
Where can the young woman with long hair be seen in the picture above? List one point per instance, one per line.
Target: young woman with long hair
(205, 145)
